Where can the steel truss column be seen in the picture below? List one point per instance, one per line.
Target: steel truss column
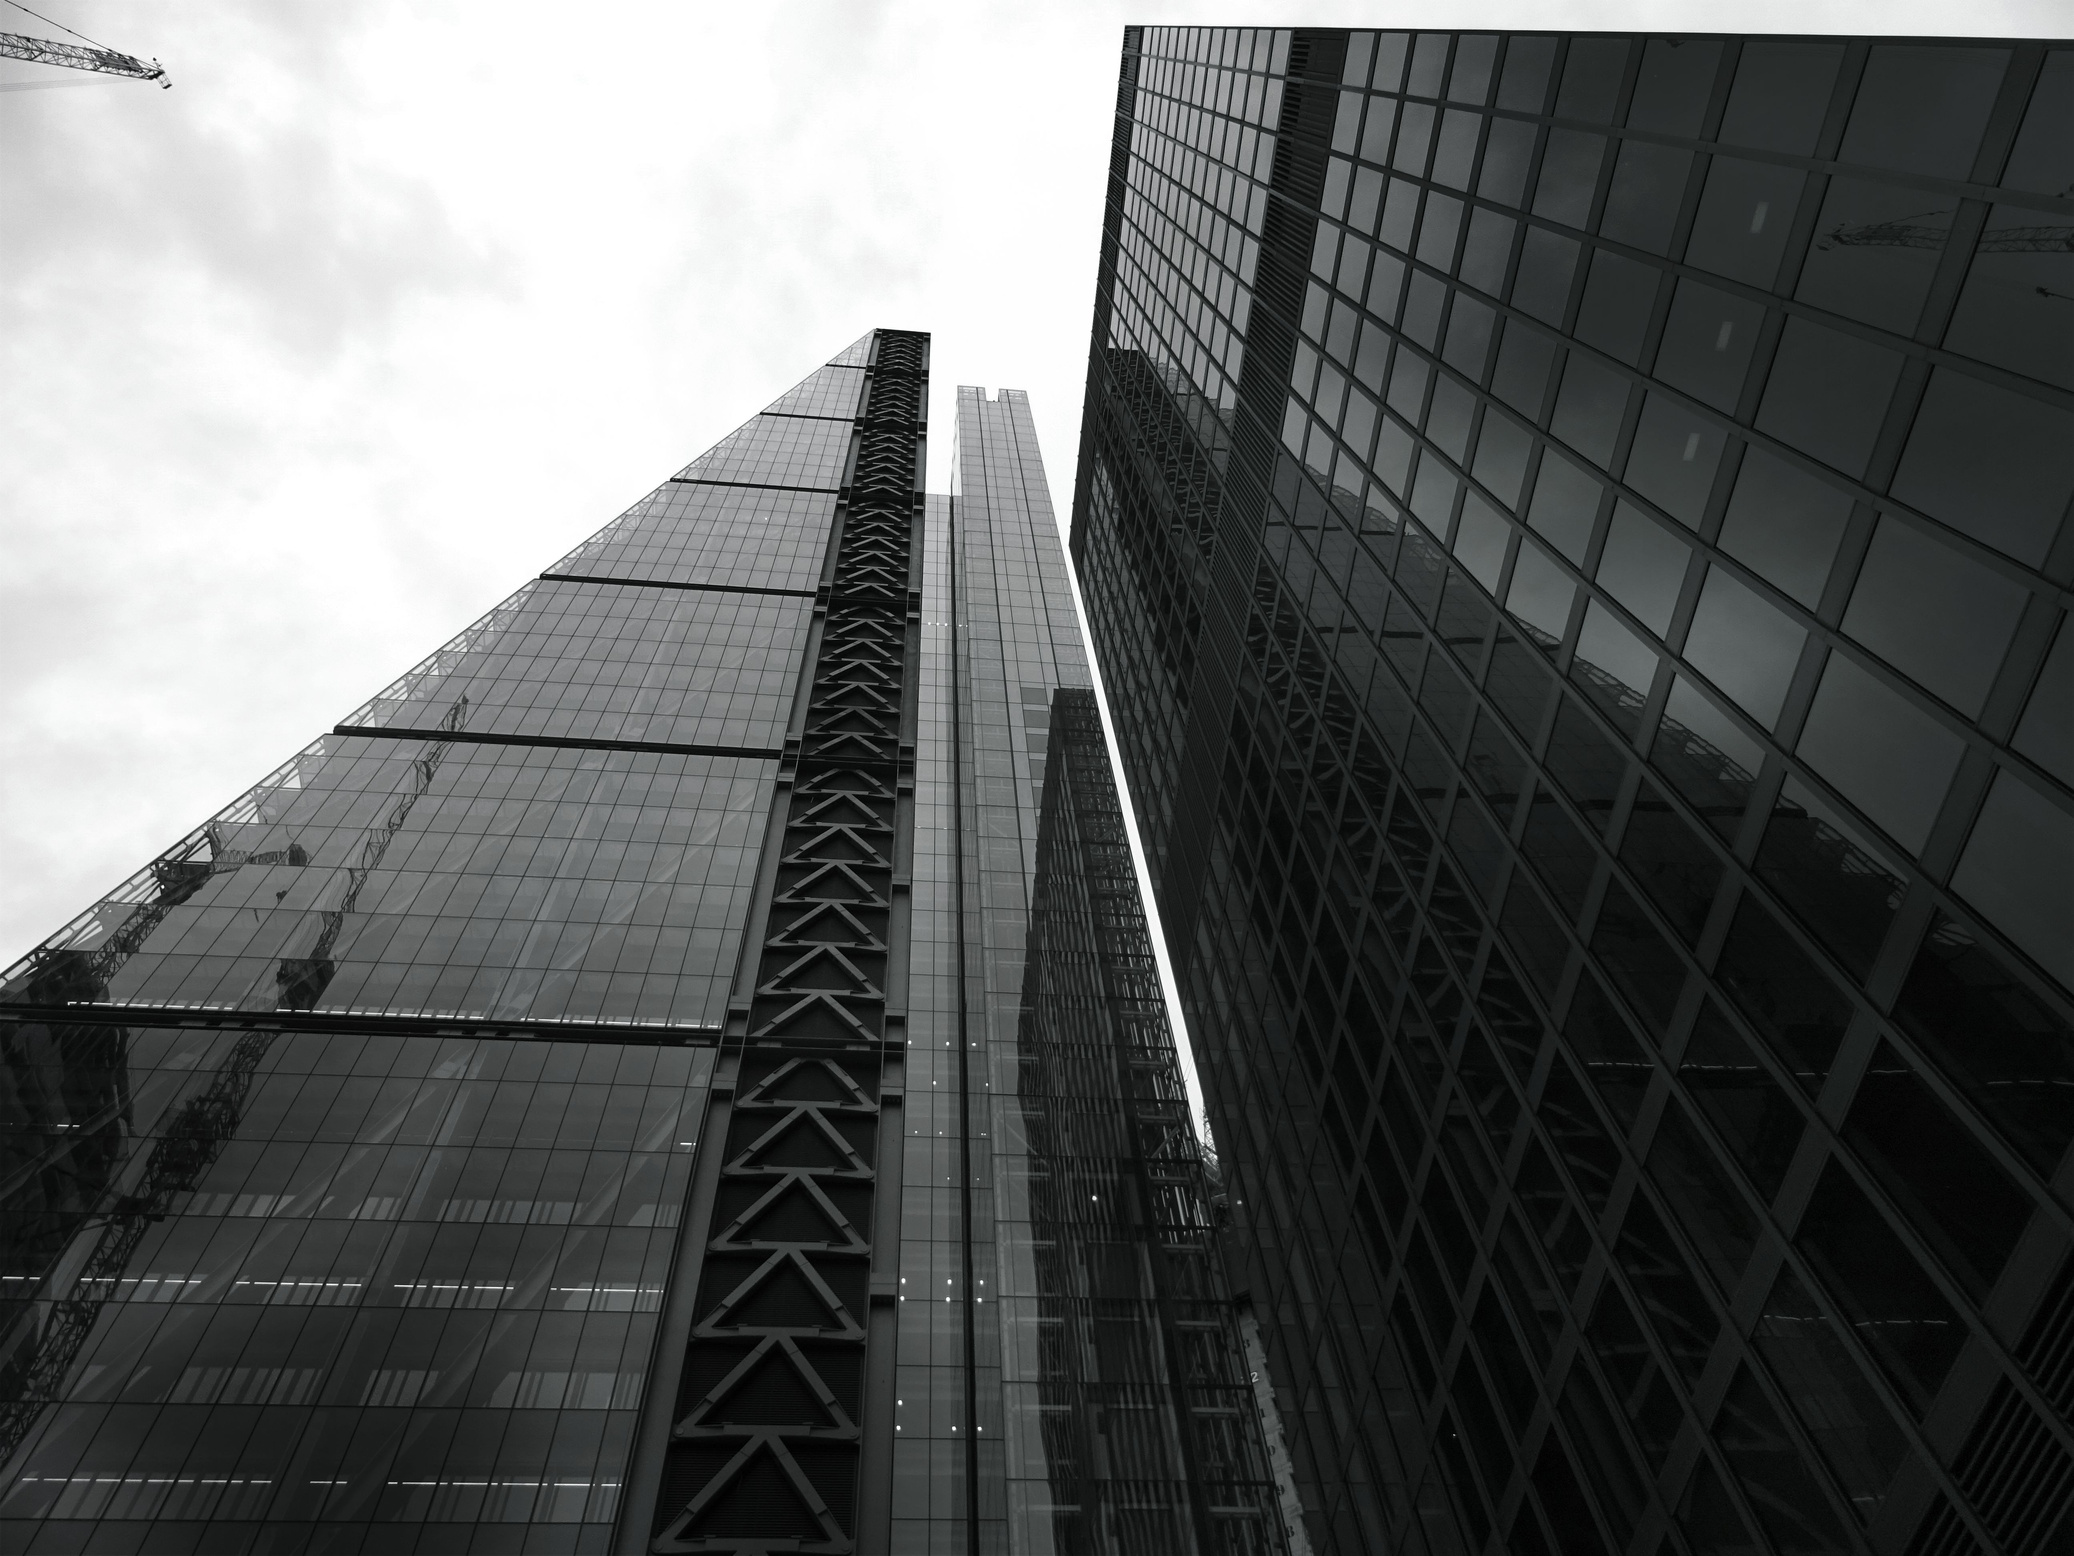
(796, 1223)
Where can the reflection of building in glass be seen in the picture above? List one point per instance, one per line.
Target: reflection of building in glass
(577, 1104)
(1102, 1346)
(1142, 1396)
(1575, 531)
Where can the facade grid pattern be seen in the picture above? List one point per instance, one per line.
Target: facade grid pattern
(1609, 765)
(590, 1100)
(400, 1285)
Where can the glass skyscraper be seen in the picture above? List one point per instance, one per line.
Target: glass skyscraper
(1575, 530)
(592, 1098)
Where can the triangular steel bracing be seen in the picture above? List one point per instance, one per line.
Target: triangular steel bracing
(765, 1450)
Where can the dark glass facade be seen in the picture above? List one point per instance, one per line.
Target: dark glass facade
(1575, 532)
(590, 1100)
(1070, 1375)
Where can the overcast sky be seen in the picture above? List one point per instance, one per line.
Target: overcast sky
(310, 360)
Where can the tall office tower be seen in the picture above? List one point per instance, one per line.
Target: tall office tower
(1075, 1380)
(589, 1101)
(1575, 528)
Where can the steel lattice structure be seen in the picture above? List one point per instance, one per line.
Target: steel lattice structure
(107, 62)
(791, 1344)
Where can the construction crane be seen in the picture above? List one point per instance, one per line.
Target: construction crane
(95, 56)
(196, 1133)
(1911, 234)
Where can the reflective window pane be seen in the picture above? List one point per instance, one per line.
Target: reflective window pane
(2018, 869)
(1619, 295)
(1673, 458)
(1783, 994)
(1707, 344)
(1892, 762)
(1508, 153)
(1749, 1109)
(2006, 1048)
(1784, 524)
(1803, 1345)
(2043, 159)
(1876, 248)
(1921, 108)
(1781, 94)
(1827, 394)
(1524, 84)
(1677, 869)
(1706, 756)
(2046, 734)
(1589, 406)
(1709, 1207)
(1829, 875)
(1897, 1310)
(1951, 1190)
(1648, 189)
(1676, 80)
(1541, 286)
(1744, 645)
(1541, 594)
(1565, 505)
(2017, 308)
(1996, 465)
(1591, 78)
(1643, 566)
(1941, 617)
(1787, 1498)
(1744, 219)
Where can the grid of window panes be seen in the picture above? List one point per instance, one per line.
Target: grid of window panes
(1659, 652)
(1131, 1420)
(1019, 638)
(714, 536)
(523, 883)
(1145, 578)
(404, 1301)
(1202, 149)
(554, 818)
(931, 1488)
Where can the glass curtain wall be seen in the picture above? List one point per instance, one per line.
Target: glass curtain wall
(1575, 530)
(347, 1143)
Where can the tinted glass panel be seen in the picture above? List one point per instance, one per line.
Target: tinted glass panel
(1784, 524)
(1745, 646)
(1890, 760)
(2013, 311)
(1952, 1191)
(1896, 1309)
(1671, 92)
(2009, 1050)
(1991, 463)
(1746, 1106)
(1648, 188)
(1804, 1347)
(385, 1239)
(1744, 219)
(1827, 394)
(2016, 870)
(1876, 248)
(1781, 94)
(1921, 108)
(1939, 616)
